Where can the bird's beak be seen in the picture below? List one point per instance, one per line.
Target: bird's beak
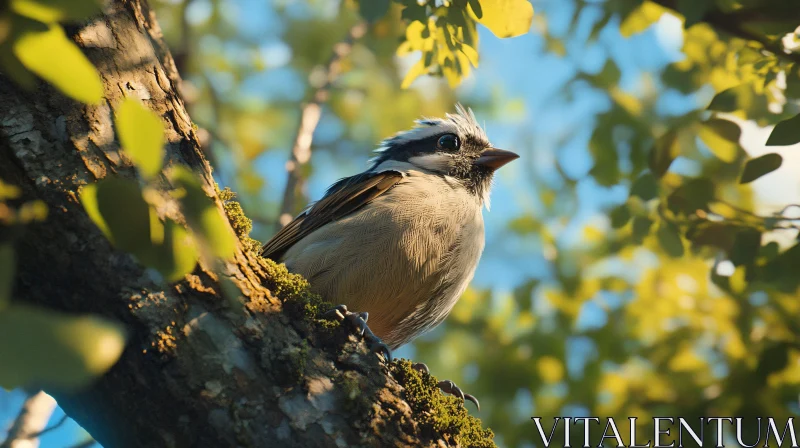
(495, 158)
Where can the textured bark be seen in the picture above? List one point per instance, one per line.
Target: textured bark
(197, 371)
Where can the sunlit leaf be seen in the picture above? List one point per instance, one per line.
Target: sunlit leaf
(56, 10)
(7, 266)
(203, 216)
(722, 138)
(141, 134)
(505, 18)
(664, 152)
(44, 348)
(89, 202)
(551, 370)
(175, 255)
(641, 18)
(785, 133)
(760, 166)
(414, 72)
(52, 56)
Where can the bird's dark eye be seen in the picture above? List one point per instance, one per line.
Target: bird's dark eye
(448, 142)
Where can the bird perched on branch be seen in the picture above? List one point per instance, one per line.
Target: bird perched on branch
(400, 242)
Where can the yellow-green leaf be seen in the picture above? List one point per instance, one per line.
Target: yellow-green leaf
(722, 138)
(414, 72)
(664, 152)
(202, 214)
(641, 18)
(49, 11)
(89, 201)
(44, 348)
(6, 274)
(56, 59)
(175, 256)
(141, 134)
(505, 18)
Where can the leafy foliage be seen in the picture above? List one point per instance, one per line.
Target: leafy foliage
(129, 215)
(445, 33)
(31, 40)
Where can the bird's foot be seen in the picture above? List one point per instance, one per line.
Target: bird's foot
(359, 321)
(448, 386)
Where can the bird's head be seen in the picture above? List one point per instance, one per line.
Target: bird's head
(454, 146)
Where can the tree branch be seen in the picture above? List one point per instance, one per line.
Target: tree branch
(309, 119)
(30, 421)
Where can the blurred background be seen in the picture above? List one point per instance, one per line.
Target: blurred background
(628, 271)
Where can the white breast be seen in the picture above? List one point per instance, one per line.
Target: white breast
(405, 258)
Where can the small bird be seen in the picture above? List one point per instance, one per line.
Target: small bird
(399, 243)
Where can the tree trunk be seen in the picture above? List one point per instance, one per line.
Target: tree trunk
(197, 371)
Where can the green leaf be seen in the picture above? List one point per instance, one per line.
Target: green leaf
(732, 99)
(746, 247)
(772, 359)
(372, 10)
(722, 138)
(694, 10)
(620, 216)
(175, 256)
(88, 197)
(44, 348)
(202, 214)
(505, 18)
(691, 196)
(664, 152)
(641, 227)
(670, 239)
(760, 166)
(645, 187)
(476, 8)
(785, 133)
(141, 134)
(7, 270)
(56, 59)
(49, 11)
(125, 213)
(721, 236)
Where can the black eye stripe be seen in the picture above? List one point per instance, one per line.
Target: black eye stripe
(448, 142)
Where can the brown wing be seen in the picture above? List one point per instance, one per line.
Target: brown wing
(343, 198)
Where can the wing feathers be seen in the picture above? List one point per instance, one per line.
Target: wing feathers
(343, 198)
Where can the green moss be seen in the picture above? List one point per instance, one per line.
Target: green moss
(439, 414)
(241, 224)
(292, 289)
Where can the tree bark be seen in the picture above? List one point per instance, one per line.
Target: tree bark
(197, 370)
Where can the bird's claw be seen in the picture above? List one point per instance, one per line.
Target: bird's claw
(359, 321)
(448, 386)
